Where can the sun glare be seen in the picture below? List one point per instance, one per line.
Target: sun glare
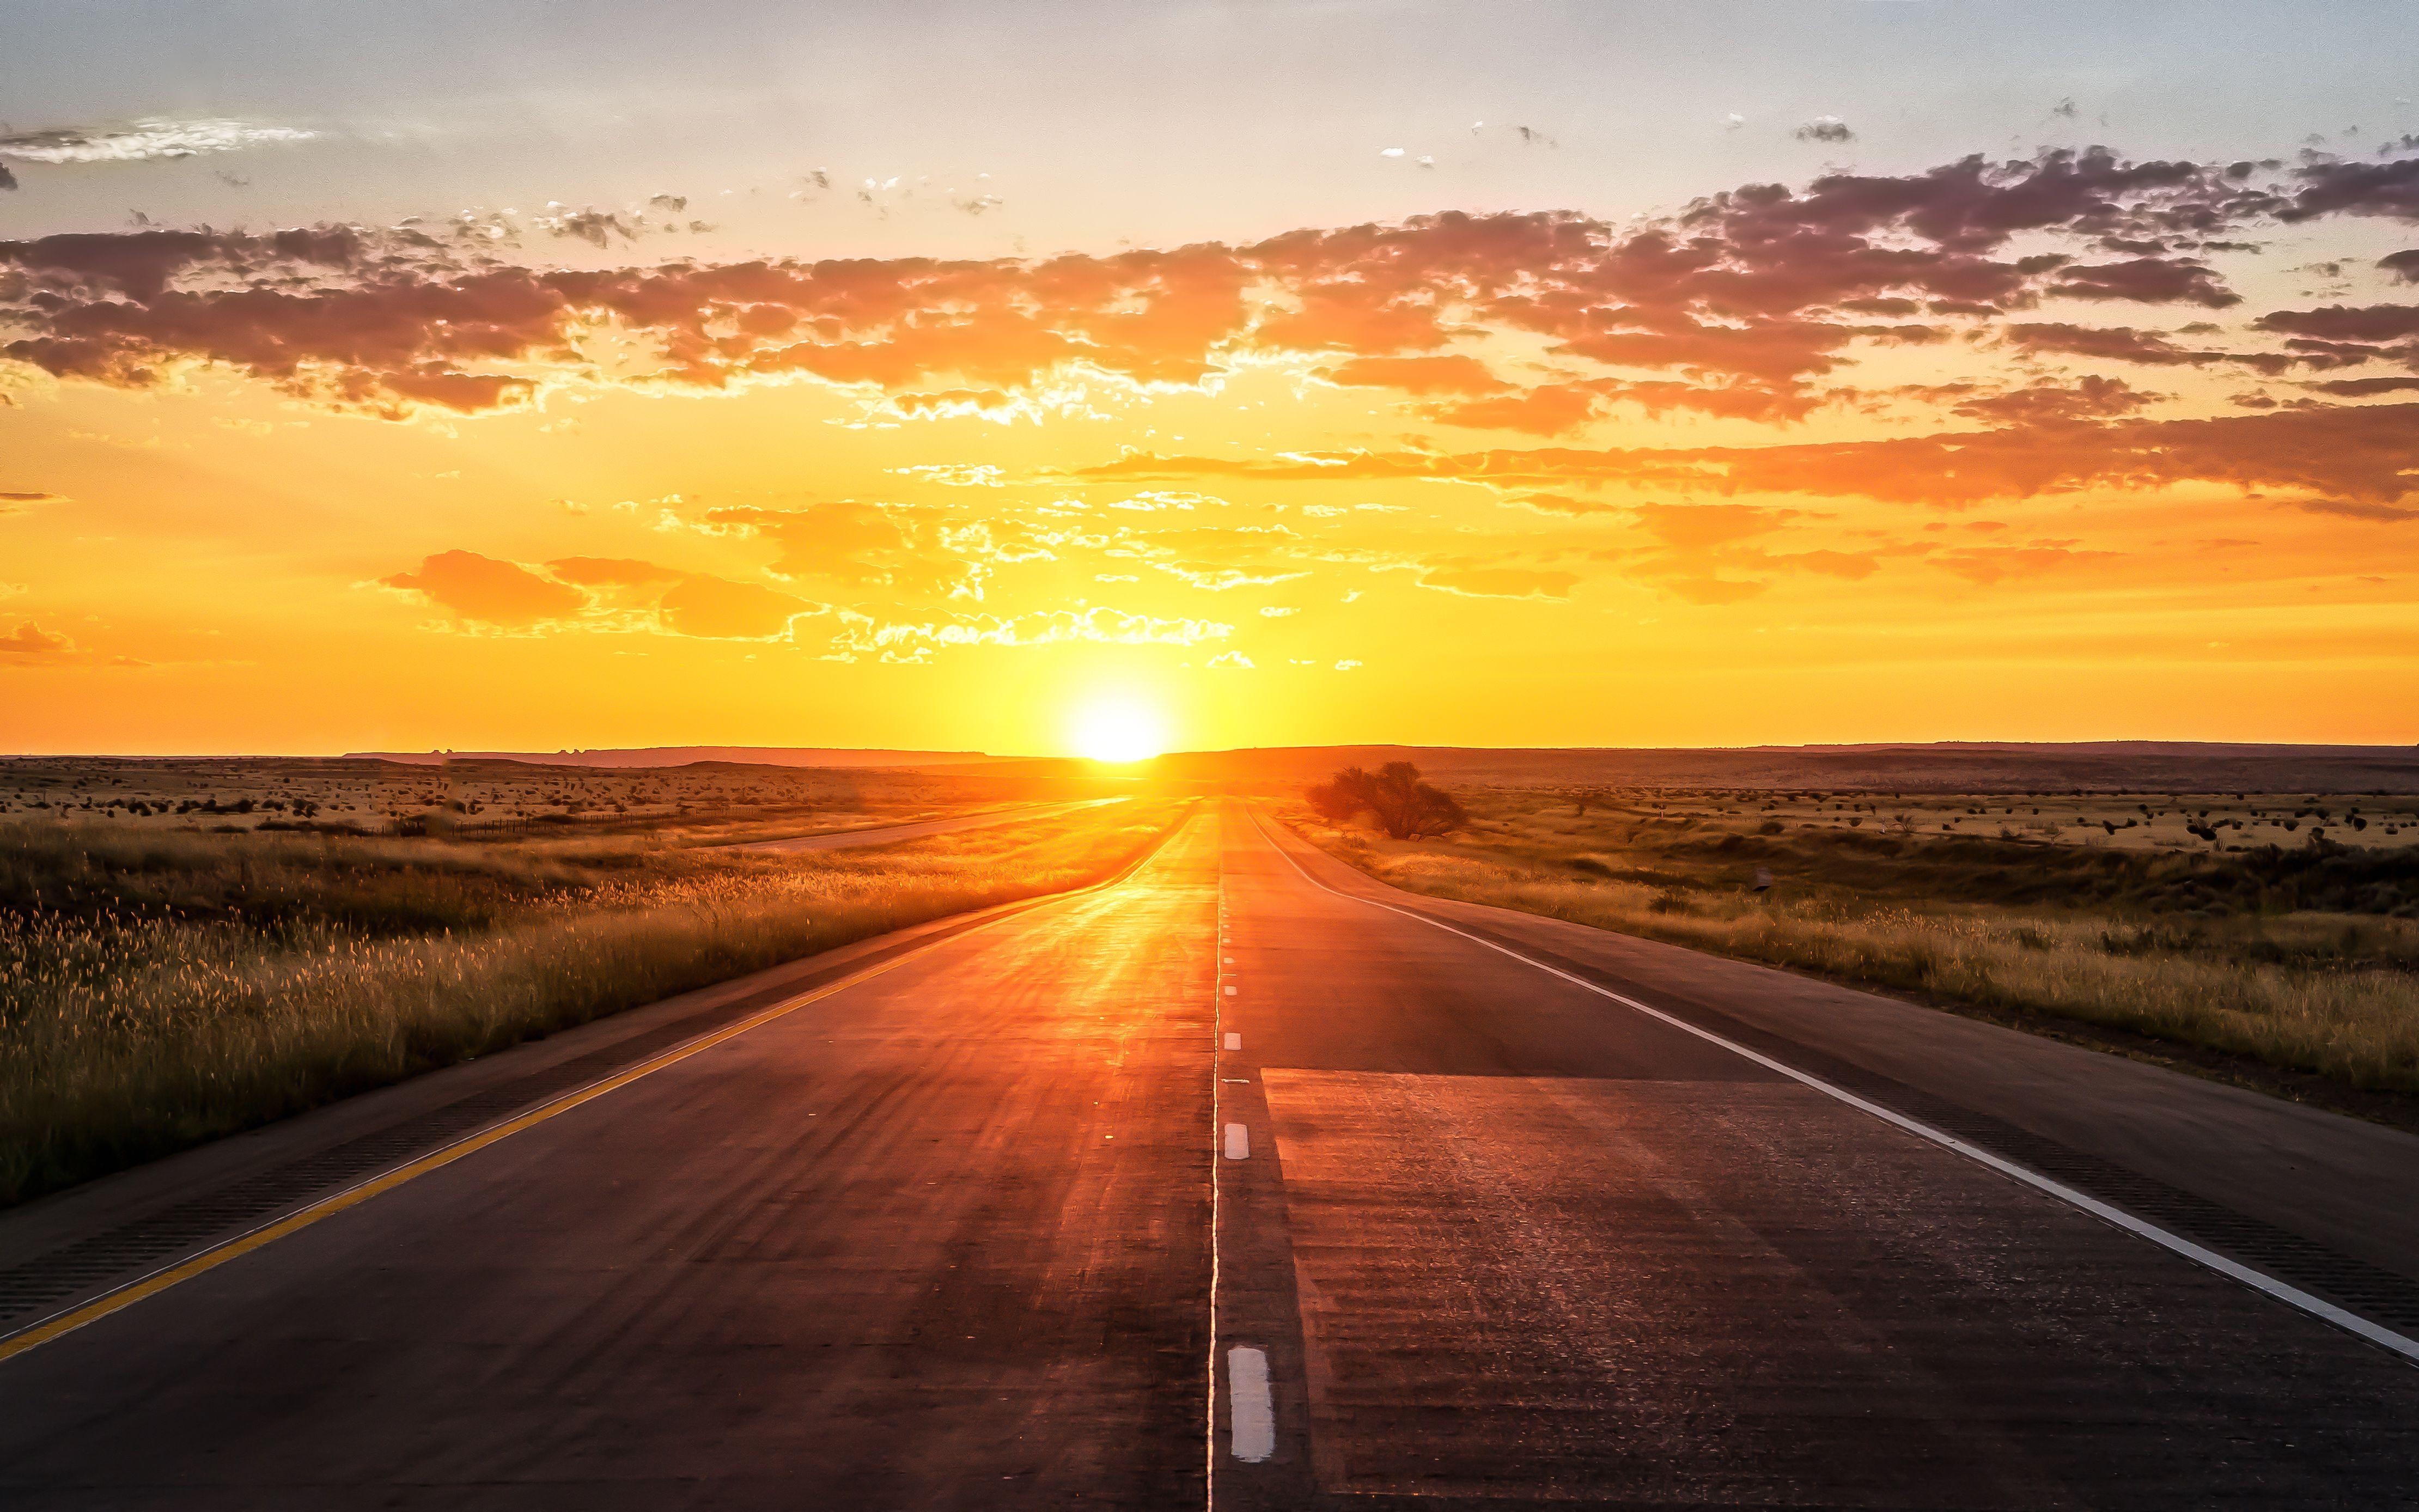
(1119, 730)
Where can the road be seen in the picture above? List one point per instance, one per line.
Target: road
(838, 839)
(1242, 1182)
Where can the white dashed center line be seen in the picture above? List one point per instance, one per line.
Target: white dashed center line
(1254, 1420)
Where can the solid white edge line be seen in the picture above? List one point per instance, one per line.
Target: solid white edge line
(2258, 1280)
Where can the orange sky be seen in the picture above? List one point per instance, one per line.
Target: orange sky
(2059, 445)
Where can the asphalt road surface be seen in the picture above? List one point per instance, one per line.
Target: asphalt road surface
(839, 840)
(1233, 1185)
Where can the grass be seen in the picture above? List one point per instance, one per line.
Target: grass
(2301, 959)
(363, 795)
(160, 989)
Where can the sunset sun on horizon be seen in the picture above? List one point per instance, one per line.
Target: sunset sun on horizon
(1118, 728)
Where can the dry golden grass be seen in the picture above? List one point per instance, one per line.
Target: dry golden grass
(171, 989)
(2203, 951)
(221, 794)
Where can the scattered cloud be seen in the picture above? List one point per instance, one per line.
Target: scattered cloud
(2360, 450)
(1824, 129)
(612, 573)
(863, 636)
(1454, 375)
(2367, 509)
(485, 591)
(1475, 581)
(718, 608)
(30, 641)
(859, 546)
(1742, 305)
(146, 141)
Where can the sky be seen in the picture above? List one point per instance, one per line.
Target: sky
(533, 375)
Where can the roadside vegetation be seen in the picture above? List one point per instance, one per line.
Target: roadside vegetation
(2303, 957)
(161, 988)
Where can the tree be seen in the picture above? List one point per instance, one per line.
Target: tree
(1393, 795)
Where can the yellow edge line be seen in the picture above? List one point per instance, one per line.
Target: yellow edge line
(208, 1259)
(101, 1307)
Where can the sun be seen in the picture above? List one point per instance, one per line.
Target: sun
(1114, 729)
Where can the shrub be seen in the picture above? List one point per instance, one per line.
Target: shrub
(1392, 794)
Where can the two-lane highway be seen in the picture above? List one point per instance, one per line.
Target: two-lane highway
(1240, 1183)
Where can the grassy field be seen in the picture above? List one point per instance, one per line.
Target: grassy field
(341, 794)
(159, 988)
(2202, 922)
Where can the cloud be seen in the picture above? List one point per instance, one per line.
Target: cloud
(1744, 306)
(1986, 565)
(146, 141)
(2125, 343)
(2367, 509)
(2146, 281)
(2365, 388)
(1695, 528)
(600, 594)
(1455, 373)
(1230, 659)
(612, 572)
(858, 545)
(2402, 264)
(1475, 581)
(1854, 567)
(718, 608)
(863, 636)
(1557, 503)
(1824, 129)
(1547, 409)
(2372, 323)
(598, 228)
(2052, 403)
(1219, 579)
(2362, 450)
(30, 641)
(12, 503)
(485, 591)
(2330, 188)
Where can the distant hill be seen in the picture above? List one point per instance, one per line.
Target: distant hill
(689, 755)
(1950, 767)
